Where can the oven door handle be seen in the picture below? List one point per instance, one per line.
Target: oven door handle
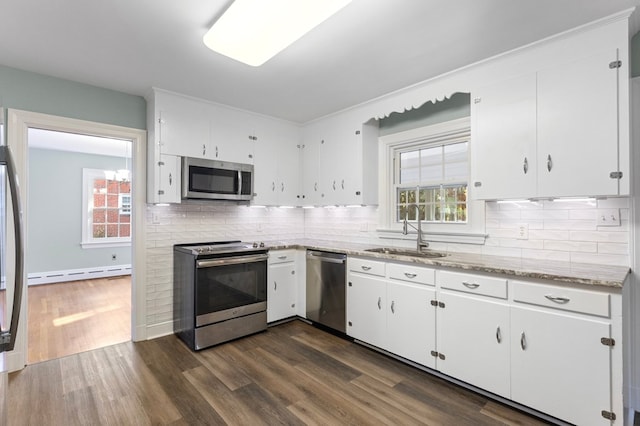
(210, 263)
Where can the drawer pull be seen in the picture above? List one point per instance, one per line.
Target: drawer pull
(470, 285)
(366, 268)
(393, 306)
(498, 335)
(275, 285)
(409, 275)
(282, 257)
(558, 299)
(379, 303)
(523, 342)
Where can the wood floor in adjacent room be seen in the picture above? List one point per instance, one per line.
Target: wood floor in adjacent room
(291, 374)
(72, 317)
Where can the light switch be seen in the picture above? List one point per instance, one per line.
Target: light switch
(608, 217)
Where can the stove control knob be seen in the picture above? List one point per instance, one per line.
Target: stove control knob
(255, 245)
(261, 244)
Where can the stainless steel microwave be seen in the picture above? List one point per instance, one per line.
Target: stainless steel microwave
(216, 180)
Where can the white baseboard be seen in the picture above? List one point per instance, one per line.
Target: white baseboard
(78, 274)
(159, 330)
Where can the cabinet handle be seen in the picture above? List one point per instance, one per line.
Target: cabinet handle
(204, 149)
(282, 187)
(523, 342)
(549, 163)
(366, 268)
(282, 257)
(342, 184)
(170, 179)
(275, 285)
(409, 275)
(470, 285)
(273, 186)
(334, 185)
(498, 335)
(379, 303)
(393, 306)
(558, 299)
(525, 165)
(315, 186)
(216, 151)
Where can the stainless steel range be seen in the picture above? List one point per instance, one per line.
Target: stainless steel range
(219, 291)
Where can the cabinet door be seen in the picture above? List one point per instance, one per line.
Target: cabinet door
(411, 322)
(184, 127)
(504, 139)
(468, 327)
(559, 365)
(366, 313)
(281, 291)
(578, 127)
(312, 192)
(232, 135)
(167, 185)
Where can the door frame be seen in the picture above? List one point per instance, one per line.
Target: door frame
(18, 124)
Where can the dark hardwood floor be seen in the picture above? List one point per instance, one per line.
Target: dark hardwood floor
(291, 374)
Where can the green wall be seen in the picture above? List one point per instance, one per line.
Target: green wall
(50, 95)
(457, 106)
(55, 212)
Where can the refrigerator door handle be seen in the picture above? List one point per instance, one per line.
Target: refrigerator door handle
(8, 338)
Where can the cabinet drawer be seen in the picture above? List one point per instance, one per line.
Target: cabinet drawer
(367, 266)
(414, 274)
(282, 256)
(476, 284)
(567, 299)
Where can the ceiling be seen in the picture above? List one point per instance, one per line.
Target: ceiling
(370, 48)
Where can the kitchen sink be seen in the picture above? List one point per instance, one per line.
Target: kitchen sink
(407, 252)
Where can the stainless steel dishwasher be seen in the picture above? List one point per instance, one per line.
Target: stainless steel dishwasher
(326, 289)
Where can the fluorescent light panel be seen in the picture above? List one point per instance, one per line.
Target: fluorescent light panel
(254, 31)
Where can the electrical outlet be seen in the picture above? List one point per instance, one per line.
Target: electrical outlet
(608, 217)
(364, 227)
(523, 231)
(156, 218)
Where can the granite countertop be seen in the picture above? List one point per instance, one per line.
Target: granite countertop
(562, 272)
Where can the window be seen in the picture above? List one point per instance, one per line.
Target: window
(425, 174)
(434, 178)
(106, 211)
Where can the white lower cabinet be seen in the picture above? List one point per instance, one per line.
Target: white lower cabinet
(393, 314)
(366, 313)
(553, 348)
(282, 285)
(410, 320)
(473, 341)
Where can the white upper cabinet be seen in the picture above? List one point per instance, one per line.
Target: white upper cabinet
(276, 159)
(183, 125)
(504, 139)
(232, 135)
(552, 133)
(340, 162)
(578, 127)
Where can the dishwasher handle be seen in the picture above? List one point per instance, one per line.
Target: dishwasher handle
(326, 257)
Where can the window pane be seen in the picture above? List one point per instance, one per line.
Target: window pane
(99, 215)
(409, 159)
(99, 231)
(125, 230)
(113, 215)
(112, 230)
(409, 176)
(431, 164)
(456, 165)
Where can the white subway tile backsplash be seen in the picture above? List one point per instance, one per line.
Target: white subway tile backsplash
(564, 231)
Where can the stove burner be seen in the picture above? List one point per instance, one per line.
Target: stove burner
(219, 247)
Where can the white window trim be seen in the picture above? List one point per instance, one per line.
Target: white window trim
(87, 206)
(472, 232)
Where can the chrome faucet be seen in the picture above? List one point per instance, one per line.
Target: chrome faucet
(420, 242)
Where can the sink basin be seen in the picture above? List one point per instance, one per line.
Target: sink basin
(407, 252)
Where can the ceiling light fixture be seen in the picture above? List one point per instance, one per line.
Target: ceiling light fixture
(254, 31)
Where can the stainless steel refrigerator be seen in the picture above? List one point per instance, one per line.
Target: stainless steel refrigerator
(11, 263)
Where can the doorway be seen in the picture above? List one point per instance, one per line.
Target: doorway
(20, 124)
(79, 259)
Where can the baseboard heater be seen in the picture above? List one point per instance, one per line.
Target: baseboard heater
(78, 274)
